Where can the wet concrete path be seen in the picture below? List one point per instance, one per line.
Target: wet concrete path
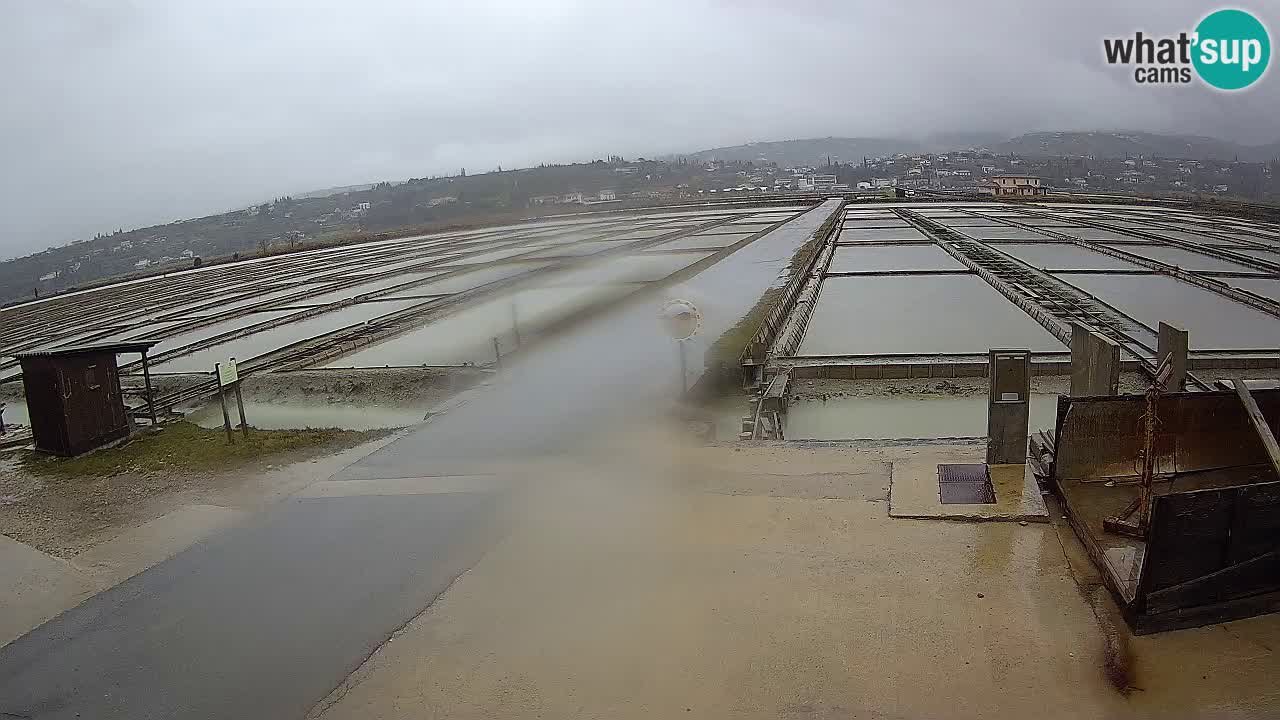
(265, 619)
(617, 365)
(258, 622)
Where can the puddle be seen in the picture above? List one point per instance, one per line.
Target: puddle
(883, 417)
(1268, 255)
(850, 234)
(491, 256)
(719, 240)
(464, 281)
(1063, 256)
(174, 342)
(1265, 287)
(1187, 259)
(1003, 232)
(467, 336)
(1213, 321)
(214, 307)
(15, 412)
(277, 416)
(882, 315)
(892, 257)
(353, 291)
(251, 346)
(578, 250)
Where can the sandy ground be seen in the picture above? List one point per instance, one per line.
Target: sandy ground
(651, 579)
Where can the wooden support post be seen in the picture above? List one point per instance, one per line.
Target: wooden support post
(226, 416)
(1259, 423)
(146, 381)
(244, 426)
(684, 368)
(222, 398)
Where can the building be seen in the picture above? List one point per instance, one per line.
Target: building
(1017, 186)
(606, 195)
(823, 181)
(571, 198)
(74, 398)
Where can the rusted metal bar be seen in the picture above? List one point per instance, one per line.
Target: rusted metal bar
(1136, 518)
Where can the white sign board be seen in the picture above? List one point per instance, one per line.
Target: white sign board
(227, 373)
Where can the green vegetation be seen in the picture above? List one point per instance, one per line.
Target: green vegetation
(724, 358)
(727, 349)
(184, 446)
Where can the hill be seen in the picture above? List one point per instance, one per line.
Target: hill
(810, 151)
(1122, 144)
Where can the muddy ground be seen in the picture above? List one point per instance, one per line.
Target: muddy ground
(63, 510)
(64, 507)
(827, 389)
(414, 387)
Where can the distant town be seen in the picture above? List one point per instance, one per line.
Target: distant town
(425, 204)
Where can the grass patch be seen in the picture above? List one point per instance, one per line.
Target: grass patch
(727, 349)
(187, 446)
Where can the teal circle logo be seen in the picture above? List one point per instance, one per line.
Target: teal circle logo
(1232, 49)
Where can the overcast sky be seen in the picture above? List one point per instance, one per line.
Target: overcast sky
(121, 113)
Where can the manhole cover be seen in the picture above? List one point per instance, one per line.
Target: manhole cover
(965, 484)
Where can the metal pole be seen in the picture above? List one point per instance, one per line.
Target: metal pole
(244, 426)
(146, 380)
(515, 322)
(497, 354)
(684, 373)
(222, 396)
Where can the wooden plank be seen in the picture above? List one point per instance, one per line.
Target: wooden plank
(1259, 423)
